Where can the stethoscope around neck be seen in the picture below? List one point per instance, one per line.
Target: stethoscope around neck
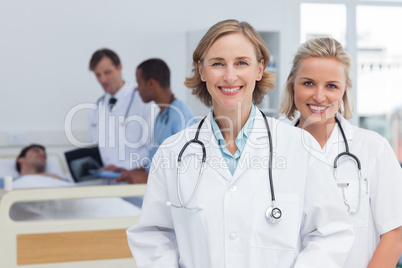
(123, 123)
(346, 153)
(273, 213)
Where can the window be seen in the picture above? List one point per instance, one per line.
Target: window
(323, 20)
(379, 71)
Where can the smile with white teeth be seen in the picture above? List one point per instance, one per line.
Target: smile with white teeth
(230, 90)
(317, 108)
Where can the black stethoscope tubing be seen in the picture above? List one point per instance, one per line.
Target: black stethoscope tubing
(204, 154)
(195, 140)
(346, 153)
(271, 183)
(336, 160)
(103, 98)
(273, 213)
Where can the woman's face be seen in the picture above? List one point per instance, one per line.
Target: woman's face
(230, 70)
(318, 89)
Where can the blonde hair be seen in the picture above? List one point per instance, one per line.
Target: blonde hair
(218, 30)
(324, 47)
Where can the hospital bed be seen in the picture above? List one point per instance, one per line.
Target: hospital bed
(65, 243)
(99, 242)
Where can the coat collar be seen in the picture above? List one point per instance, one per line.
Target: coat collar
(212, 148)
(258, 140)
(207, 137)
(335, 143)
(336, 135)
(259, 129)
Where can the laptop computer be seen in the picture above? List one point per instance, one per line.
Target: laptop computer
(82, 162)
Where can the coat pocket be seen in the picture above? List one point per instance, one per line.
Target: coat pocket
(351, 195)
(283, 234)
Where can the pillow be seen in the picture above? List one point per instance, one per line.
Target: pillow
(54, 165)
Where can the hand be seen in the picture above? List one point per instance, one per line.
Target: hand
(135, 176)
(113, 168)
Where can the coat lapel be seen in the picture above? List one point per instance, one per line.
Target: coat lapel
(215, 159)
(257, 144)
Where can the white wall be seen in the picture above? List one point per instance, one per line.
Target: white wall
(46, 46)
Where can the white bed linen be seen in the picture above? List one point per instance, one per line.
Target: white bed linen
(66, 209)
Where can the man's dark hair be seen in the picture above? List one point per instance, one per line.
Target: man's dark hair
(100, 54)
(24, 152)
(156, 69)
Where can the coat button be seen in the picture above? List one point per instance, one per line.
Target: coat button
(233, 235)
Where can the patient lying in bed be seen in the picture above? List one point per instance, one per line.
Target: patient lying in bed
(31, 164)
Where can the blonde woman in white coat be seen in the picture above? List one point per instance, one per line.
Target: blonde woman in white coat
(317, 97)
(226, 214)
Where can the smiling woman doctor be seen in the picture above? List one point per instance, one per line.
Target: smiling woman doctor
(366, 170)
(229, 203)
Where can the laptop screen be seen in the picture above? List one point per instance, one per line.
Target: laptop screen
(82, 162)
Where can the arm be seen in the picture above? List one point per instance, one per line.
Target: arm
(139, 175)
(386, 201)
(113, 168)
(326, 231)
(388, 250)
(153, 240)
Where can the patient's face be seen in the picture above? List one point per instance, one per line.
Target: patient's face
(35, 158)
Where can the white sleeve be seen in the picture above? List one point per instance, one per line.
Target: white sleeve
(385, 178)
(326, 232)
(153, 241)
(93, 119)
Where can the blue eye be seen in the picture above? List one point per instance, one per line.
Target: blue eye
(242, 63)
(332, 86)
(217, 64)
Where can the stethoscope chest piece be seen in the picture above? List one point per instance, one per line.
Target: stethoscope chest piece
(273, 214)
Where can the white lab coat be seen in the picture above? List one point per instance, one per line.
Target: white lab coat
(381, 198)
(120, 144)
(231, 230)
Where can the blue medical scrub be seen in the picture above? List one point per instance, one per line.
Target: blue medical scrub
(173, 119)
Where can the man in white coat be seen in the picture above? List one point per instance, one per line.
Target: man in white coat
(121, 123)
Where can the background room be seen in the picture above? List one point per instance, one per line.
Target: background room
(47, 87)
(46, 47)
